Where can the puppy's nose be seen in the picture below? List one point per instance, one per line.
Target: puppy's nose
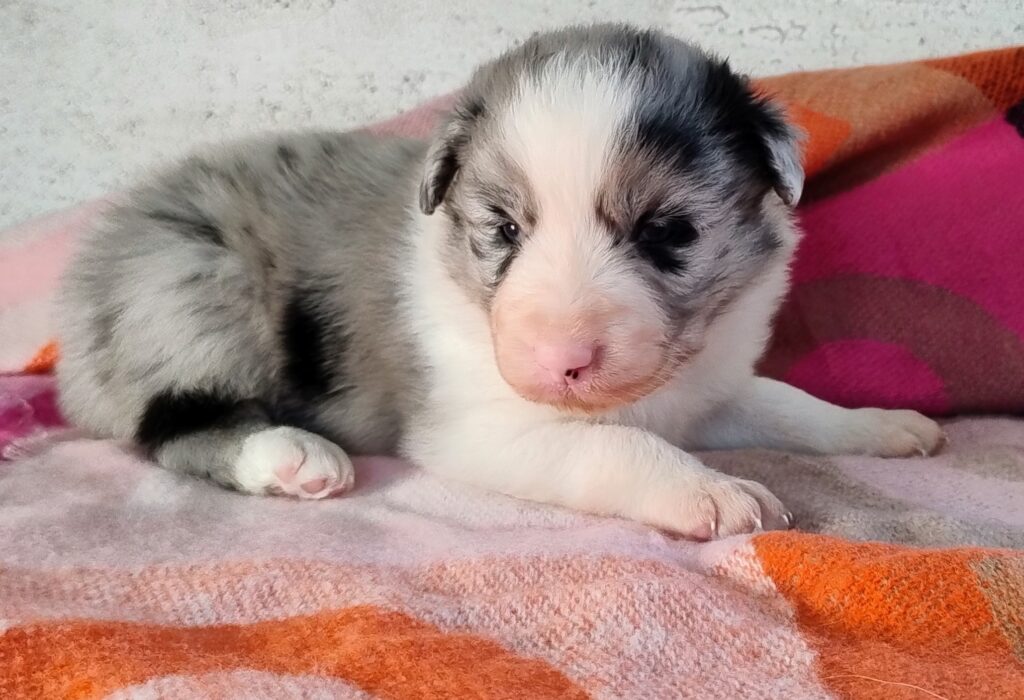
(565, 363)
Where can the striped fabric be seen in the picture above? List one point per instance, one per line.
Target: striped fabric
(118, 579)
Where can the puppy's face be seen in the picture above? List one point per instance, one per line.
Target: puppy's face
(607, 194)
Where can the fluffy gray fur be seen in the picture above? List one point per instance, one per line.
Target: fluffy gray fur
(186, 285)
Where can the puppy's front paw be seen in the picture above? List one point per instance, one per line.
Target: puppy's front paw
(719, 506)
(898, 434)
(292, 462)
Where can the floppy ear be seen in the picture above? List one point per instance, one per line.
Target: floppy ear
(783, 146)
(445, 152)
(760, 129)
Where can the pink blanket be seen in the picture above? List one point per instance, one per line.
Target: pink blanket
(119, 579)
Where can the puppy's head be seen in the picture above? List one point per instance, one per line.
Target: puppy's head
(607, 193)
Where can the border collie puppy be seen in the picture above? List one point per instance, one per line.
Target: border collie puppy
(556, 298)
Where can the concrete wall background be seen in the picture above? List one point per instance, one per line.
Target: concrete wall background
(94, 91)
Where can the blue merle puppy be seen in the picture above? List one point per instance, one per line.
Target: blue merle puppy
(557, 297)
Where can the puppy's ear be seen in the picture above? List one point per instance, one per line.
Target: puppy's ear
(445, 153)
(757, 127)
(782, 141)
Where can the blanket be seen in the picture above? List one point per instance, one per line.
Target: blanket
(118, 579)
(905, 578)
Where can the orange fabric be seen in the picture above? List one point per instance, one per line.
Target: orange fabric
(386, 653)
(824, 136)
(867, 610)
(44, 361)
(999, 74)
(894, 113)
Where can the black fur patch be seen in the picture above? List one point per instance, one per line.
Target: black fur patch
(743, 119)
(435, 189)
(690, 115)
(194, 224)
(170, 415)
(664, 257)
(1015, 117)
(663, 243)
(448, 161)
(642, 51)
(662, 124)
(312, 349)
(667, 134)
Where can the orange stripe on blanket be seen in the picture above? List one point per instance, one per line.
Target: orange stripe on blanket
(889, 621)
(894, 112)
(825, 135)
(44, 361)
(998, 74)
(387, 653)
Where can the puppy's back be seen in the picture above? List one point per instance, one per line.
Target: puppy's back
(264, 269)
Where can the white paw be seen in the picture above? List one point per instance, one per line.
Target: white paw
(897, 434)
(293, 462)
(719, 506)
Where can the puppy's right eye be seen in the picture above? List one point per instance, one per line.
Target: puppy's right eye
(510, 231)
(676, 232)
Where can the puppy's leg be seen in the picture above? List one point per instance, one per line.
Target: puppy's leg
(775, 415)
(234, 444)
(602, 469)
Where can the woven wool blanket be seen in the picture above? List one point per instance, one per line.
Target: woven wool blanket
(905, 578)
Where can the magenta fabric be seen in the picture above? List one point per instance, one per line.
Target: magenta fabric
(28, 407)
(907, 290)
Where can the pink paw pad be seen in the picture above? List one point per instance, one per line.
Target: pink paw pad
(314, 486)
(293, 462)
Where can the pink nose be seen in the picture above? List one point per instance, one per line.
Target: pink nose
(565, 363)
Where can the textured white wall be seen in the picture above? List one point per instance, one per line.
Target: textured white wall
(93, 91)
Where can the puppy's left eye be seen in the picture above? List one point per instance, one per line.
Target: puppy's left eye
(510, 231)
(677, 233)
